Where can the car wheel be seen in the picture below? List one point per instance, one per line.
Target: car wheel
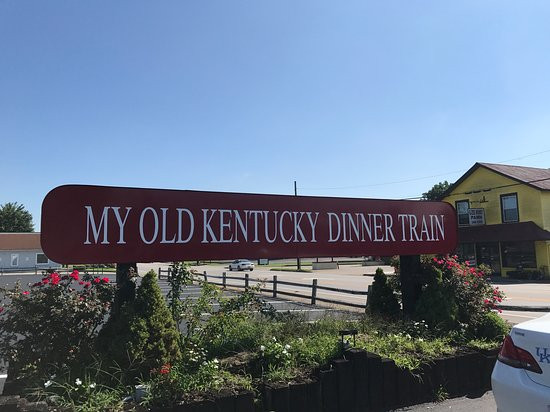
(251, 269)
(230, 269)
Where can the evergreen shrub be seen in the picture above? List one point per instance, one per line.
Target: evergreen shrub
(143, 336)
(382, 299)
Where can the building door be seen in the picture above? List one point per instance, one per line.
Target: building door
(489, 254)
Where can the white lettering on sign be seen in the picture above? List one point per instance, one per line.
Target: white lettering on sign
(103, 225)
(156, 227)
(165, 225)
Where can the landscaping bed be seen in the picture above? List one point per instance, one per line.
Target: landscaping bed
(243, 356)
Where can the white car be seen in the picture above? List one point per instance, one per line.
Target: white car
(241, 264)
(521, 377)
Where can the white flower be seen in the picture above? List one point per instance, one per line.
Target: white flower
(274, 339)
(420, 340)
(301, 340)
(262, 348)
(92, 385)
(284, 351)
(287, 347)
(216, 360)
(78, 382)
(47, 384)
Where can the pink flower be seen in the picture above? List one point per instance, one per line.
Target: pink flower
(26, 292)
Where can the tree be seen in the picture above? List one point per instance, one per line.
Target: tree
(14, 218)
(437, 191)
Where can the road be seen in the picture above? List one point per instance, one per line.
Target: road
(485, 403)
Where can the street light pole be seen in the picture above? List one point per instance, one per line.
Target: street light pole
(297, 259)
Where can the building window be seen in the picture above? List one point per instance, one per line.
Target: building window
(462, 207)
(15, 259)
(41, 259)
(518, 254)
(509, 207)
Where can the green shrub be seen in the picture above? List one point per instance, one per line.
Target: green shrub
(382, 299)
(437, 305)
(492, 327)
(142, 336)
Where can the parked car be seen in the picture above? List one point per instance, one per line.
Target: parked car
(521, 377)
(241, 264)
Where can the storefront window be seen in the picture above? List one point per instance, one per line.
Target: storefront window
(516, 254)
(466, 252)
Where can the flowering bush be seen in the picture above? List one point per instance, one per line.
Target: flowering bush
(276, 355)
(456, 294)
(54, 324)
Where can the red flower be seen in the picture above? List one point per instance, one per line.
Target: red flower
(165, 369)
(105, 280)
(1, 309)
(97, 280)
(74, 275)
(81, 283)
(87, 285)
(26, 292)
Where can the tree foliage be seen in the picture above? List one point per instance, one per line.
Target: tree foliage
(15, 218)
(437, 191)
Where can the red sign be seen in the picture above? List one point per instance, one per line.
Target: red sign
(97, 224)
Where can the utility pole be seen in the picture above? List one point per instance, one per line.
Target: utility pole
(297, 259)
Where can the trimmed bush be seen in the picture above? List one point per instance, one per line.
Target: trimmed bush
(437, 305)
(382, 300)
(492, 327)
(143, 337)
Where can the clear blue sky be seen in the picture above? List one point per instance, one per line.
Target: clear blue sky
(248, 96)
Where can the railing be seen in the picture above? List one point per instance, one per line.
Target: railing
(315, 287)
(275, 290)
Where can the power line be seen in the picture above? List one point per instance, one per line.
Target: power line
(414, 179)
